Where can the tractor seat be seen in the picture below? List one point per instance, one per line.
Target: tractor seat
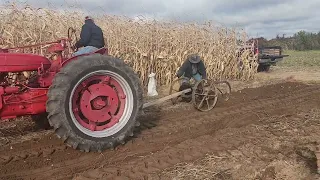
(102, 50)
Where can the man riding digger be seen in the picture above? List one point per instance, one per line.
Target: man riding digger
(91, 38)
(193, 67)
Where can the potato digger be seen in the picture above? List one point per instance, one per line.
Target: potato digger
(91, 101)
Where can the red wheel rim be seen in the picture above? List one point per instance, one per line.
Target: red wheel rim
(98, 102)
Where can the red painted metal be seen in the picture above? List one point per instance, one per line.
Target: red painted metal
(25, 98)
(4, 50)
(10, 90)
(32, 101)
(99, 51)
(17, 62)
(98, 102)
(61, 40)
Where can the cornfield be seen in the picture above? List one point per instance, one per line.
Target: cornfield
(147, 46)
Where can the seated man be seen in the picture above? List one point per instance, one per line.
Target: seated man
(91, 38)
(193, 67)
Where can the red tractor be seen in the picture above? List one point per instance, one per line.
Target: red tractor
(91, 101)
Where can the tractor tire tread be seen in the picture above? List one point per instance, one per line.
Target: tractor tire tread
(57, 95)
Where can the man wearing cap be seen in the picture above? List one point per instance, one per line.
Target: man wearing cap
(193, 67)
(91, 38)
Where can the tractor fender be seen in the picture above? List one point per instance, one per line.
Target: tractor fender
(99, 51)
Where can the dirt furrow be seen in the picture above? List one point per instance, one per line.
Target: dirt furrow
(186, 151)
(178, 124)
(172, 129)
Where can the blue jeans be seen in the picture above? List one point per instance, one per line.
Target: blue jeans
(85, 50)
(196, 77)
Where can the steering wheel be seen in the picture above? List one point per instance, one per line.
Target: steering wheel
(72, 32)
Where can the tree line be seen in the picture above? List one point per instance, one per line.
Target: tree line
(300, 41)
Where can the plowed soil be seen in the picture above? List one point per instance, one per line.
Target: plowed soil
(247, 136)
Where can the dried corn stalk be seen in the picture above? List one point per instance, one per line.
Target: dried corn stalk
(146, 46)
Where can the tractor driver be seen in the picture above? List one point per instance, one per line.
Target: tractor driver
(193, 67)
(91, 38)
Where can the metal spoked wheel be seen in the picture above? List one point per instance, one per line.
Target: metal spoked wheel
(204, 97)
(224, 90)
(98, 104)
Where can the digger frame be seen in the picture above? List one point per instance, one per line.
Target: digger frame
(203, 96)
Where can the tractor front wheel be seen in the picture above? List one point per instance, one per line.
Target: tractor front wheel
(93, 102)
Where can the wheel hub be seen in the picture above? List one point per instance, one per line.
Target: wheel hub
(92, 105)
(98, 102)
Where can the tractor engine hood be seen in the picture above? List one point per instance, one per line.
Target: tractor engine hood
(17, 62)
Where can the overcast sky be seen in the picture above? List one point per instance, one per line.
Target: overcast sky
(258, 17)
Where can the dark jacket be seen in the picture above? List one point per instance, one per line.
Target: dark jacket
(186, 69)
(91, 35)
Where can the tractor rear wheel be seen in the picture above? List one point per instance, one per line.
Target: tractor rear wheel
(93, 102)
